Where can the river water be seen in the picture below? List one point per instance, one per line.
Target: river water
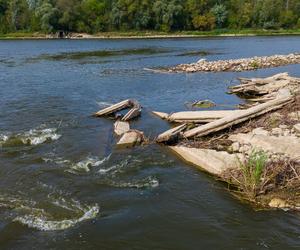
(64, 184)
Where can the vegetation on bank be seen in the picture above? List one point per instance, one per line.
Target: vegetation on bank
(93, 16)
(160, 34)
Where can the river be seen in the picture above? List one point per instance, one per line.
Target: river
(64, 184)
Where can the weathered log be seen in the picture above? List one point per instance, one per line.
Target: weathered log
(132, 113)
(282, 99)
(171, 134)
(201, 116)
(114, 108)
(161, 115)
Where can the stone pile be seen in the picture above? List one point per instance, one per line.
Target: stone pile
(242, 64)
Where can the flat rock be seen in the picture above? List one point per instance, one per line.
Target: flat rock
(121, 127)
(288, 145)
(211, 161)
(131, 138)
(297, 128)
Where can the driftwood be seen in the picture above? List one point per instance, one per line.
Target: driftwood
(265, 89)
(171, 134)
(134, 112)
(196, 116)
(284, 97)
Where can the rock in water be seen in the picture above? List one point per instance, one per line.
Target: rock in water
(121, 127)
(278, 203)
(131, 138)
(204, 104)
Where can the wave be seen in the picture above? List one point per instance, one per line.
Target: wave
(31, 137)
(148, 182)
(33, 215)
(81, 166)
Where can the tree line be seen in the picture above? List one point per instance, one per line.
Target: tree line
(162, 15)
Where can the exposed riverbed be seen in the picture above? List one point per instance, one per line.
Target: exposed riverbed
(65, 185)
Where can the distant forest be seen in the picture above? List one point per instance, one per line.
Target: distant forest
(93, 16)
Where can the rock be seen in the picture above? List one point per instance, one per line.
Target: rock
(278, 203)
(260, 131)
(131, 138)
(204, 104)
(213, 162)
(283, 126)
(297, 128)
(235, 147)
(285, 145)
(121, 127)
(277, 131)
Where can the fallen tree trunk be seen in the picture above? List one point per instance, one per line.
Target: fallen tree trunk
(282, 99)
(114, 108)
(196, 116)
(171, 134)
(134, 112)
(201, 116)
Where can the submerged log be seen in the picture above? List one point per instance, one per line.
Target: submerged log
(284, 97)
(171, 134)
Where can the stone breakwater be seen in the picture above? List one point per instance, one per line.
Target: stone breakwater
(237, 65)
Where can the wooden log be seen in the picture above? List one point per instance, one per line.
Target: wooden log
(114, 108)
(282, 99)
(133, 113)
(201, 115)
(161, 115)
(171, 134)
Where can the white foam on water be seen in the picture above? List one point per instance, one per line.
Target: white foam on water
(3, 138)
(43, 224)
(39, 136)
(29, 213)
(87, 163)
(149, 182)
(32, 137)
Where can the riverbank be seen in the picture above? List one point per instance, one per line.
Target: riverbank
(153, 34)
(255, 150)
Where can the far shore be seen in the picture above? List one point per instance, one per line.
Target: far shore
(150, 34)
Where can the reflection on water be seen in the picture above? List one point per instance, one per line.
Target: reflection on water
(67, 174)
